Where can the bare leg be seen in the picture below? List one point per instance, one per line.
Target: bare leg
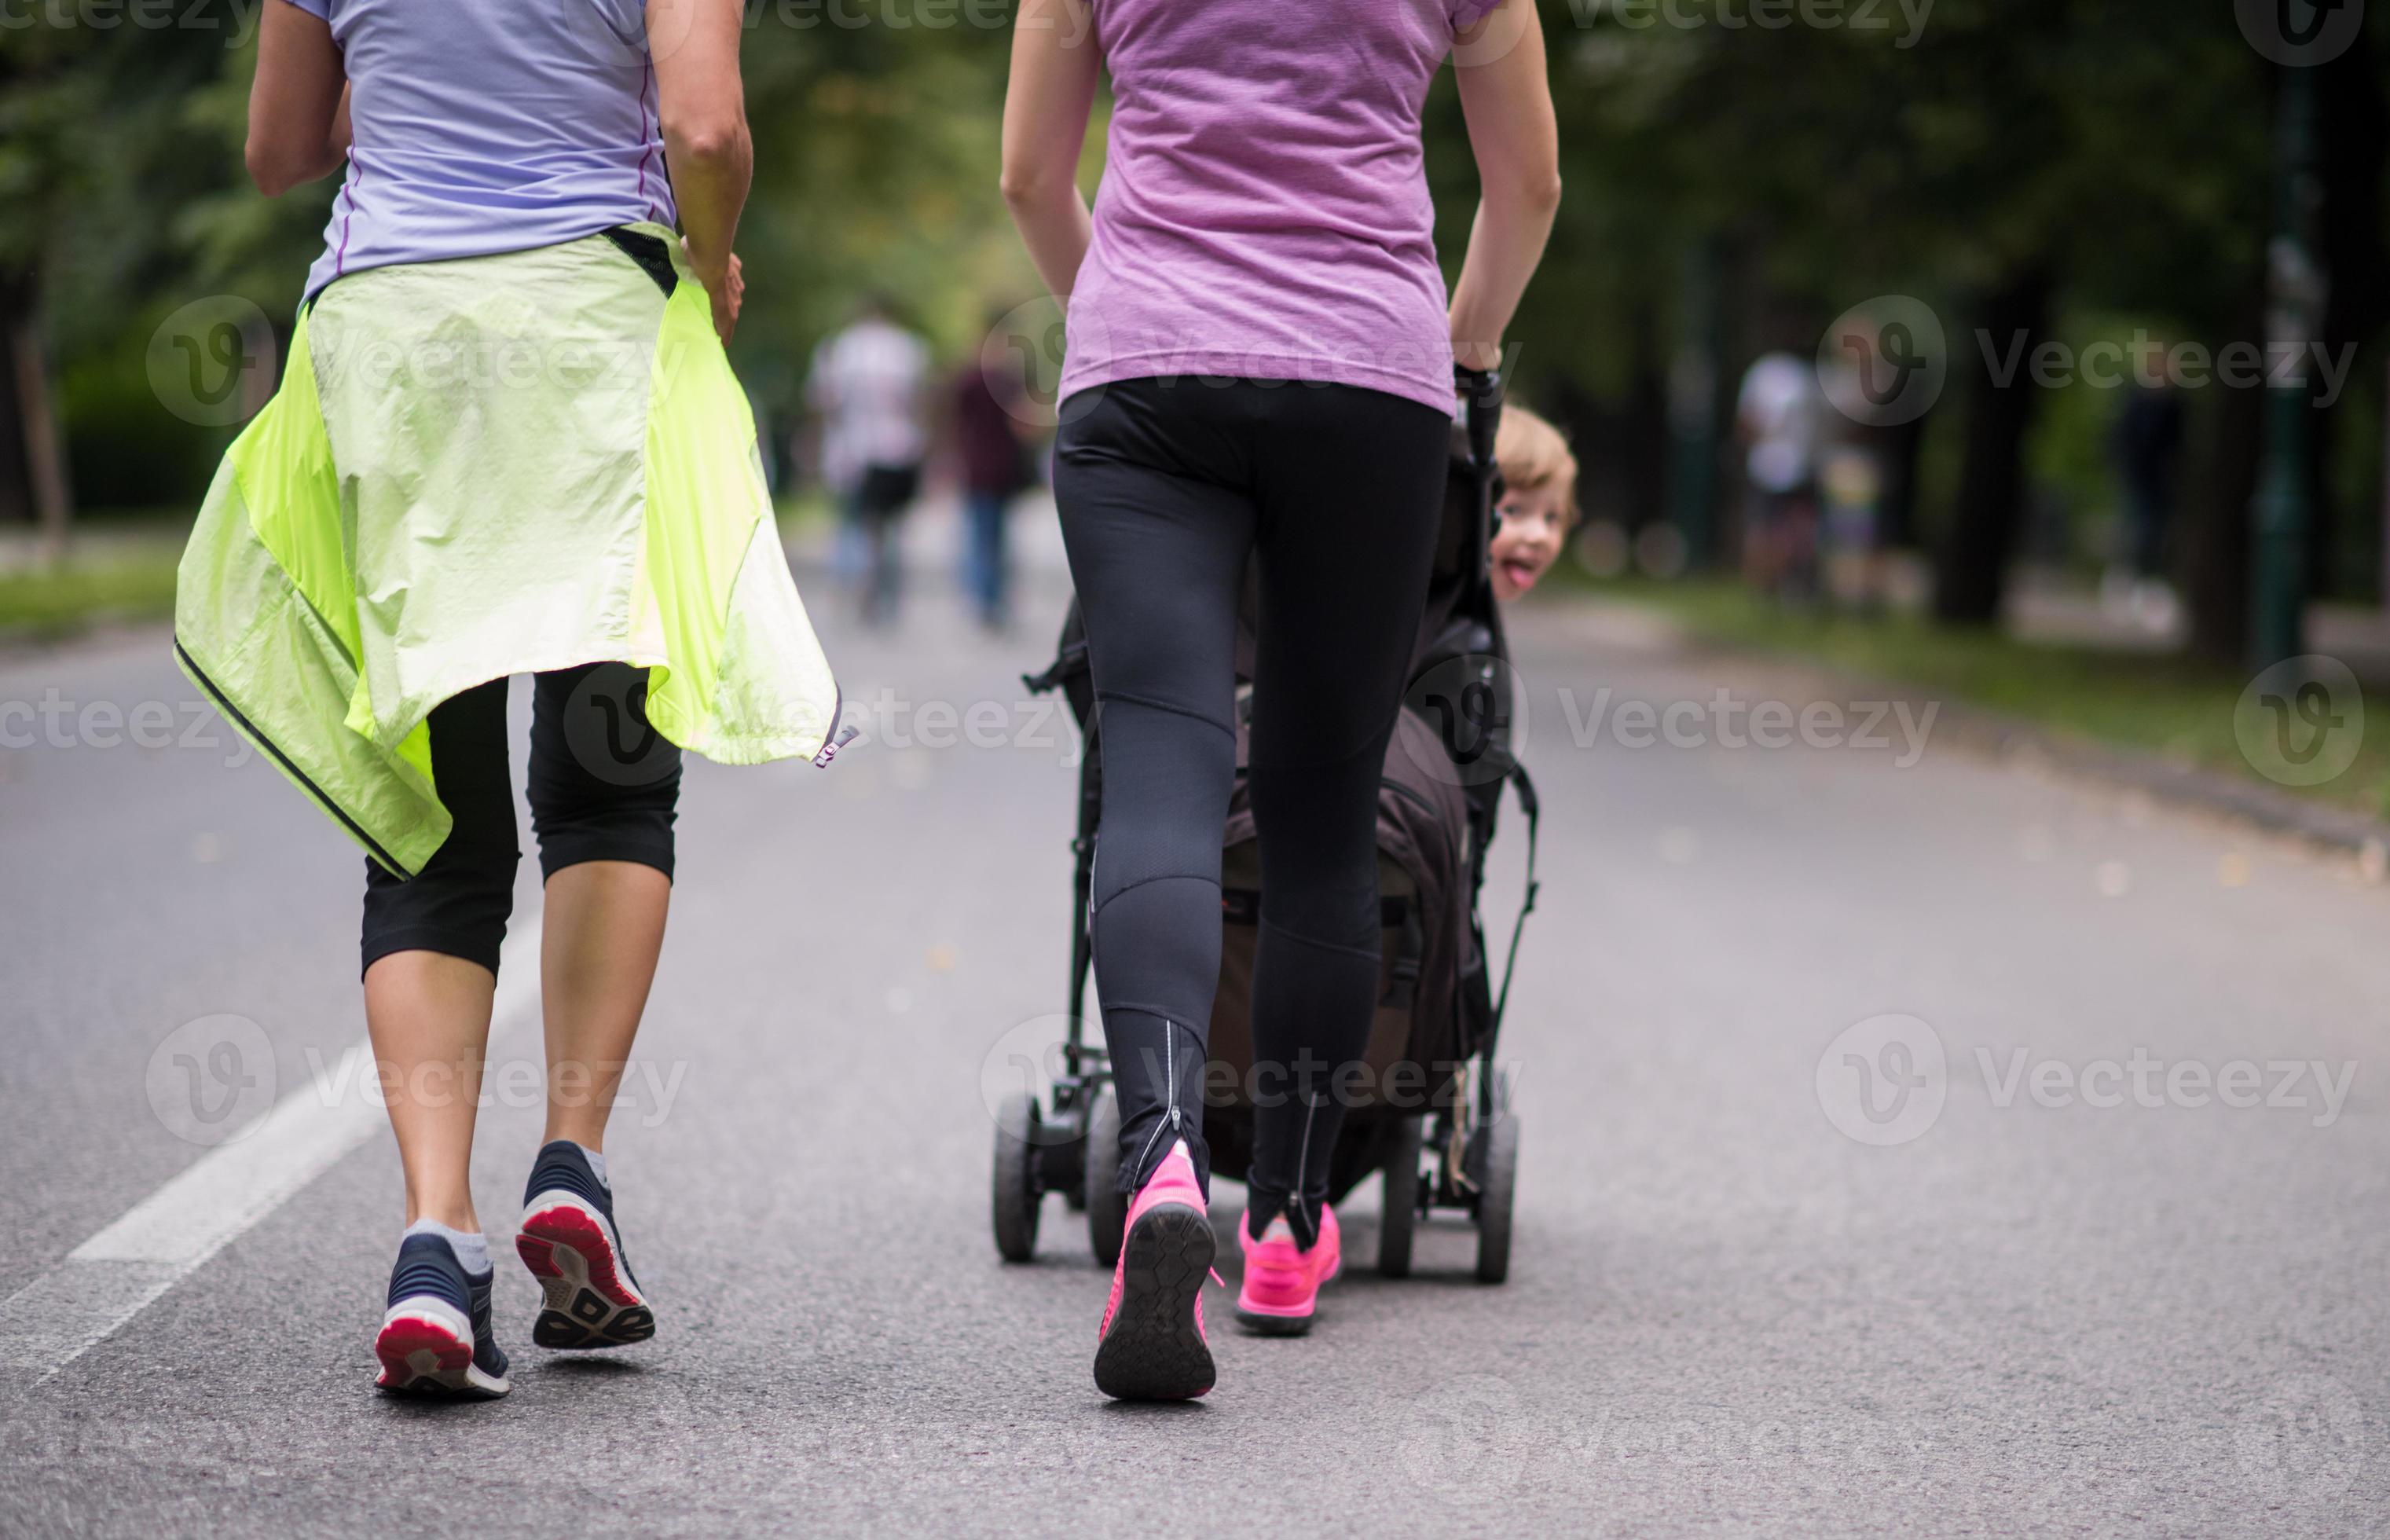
(428, 1016)
(604, 929)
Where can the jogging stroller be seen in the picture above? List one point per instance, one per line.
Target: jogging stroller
(1433, 1111)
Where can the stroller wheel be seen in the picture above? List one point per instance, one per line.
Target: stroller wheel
(1107, 1206)
(1402, 1200)
(1018, 1198)
(1498, 1180)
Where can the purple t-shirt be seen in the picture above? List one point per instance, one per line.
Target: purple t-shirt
(1265, 213)
(483, 127)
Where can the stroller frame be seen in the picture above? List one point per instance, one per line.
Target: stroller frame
(1467, 1161)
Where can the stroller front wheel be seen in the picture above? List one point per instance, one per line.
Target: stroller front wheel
(1401, 1201)
(1016, 1195)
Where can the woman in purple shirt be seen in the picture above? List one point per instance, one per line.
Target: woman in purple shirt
(1260, 365)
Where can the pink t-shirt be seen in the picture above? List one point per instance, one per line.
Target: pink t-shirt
(1265, 213)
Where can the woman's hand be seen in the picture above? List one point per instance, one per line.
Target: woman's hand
(727, 289)
(727, 296)
(1498, 62)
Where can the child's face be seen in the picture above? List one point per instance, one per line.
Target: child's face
(1535, 525)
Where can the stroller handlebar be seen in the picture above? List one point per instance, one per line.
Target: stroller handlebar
(1481, 390)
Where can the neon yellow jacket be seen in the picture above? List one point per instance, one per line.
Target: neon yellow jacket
(496, 465)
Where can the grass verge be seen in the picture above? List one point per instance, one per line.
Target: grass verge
(2177, 708)
(119, 586)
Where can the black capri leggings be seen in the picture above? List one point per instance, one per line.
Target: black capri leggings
(604, 786)
(1165, 488)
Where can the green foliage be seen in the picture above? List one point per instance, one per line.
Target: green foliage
(2121, 144)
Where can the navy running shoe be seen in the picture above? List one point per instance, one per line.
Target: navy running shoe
(569, 1243)
(435, 1337)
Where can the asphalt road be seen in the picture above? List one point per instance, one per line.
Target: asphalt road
(2007, 1262)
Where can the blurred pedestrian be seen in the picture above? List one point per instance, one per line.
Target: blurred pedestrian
(415, 517)
(1780, 416)
(2146, 448)
(870, 384)
(1263, 219)
(995, 441)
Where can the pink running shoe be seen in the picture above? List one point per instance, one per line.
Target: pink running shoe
(1152, 1346)
(1282, 1280)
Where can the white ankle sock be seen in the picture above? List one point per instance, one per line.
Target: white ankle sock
(596, 1160)
(471, 1247)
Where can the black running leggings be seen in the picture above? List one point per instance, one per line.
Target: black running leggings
(604, 787)
(1165, 488)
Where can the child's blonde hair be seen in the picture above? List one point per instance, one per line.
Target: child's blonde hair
(1534, 453)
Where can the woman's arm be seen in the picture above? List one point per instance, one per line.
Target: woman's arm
(298, 104)
(1054, 69)
(1508, 100)
(708, 151)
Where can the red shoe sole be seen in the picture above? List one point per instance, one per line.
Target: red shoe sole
(589, 1304)
(563, 1226)
(403, 1339)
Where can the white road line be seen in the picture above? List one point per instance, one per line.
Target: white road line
(162, 1240)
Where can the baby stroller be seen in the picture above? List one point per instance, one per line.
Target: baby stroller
(1435, 1120)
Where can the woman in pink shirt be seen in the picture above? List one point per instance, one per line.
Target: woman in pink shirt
(1260, 365)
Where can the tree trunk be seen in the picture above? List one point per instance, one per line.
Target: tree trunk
(1971, 579)
(1898, 447)
(2216, 554)
(32, 463)
(17, 506)
(2354, 139)
(1646, 421)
